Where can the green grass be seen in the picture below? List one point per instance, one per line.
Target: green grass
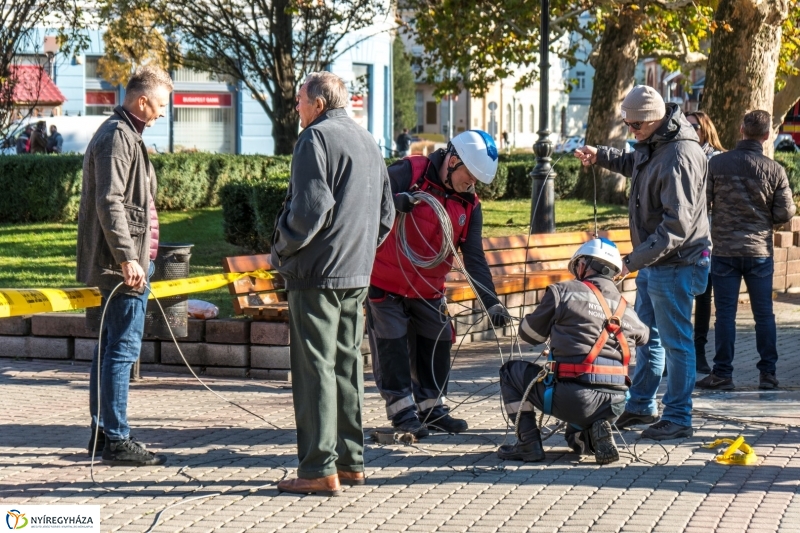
(43, 254)
(510, 217)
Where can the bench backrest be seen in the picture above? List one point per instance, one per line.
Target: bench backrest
(247, 290)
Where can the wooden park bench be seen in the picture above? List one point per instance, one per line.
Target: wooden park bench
(519, 263)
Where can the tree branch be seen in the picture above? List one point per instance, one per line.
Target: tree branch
(786, 97)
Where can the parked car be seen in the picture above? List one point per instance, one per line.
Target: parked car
(784, 142)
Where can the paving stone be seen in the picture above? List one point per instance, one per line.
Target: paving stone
(49, 347)
(273, 357)
(272, 333)
(15, 325)
(60, 325)
(228, 331)
(206, 354)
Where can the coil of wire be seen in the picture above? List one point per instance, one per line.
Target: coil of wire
(445, 248)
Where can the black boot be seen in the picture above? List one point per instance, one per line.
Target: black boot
(605, 450)
(529, 447)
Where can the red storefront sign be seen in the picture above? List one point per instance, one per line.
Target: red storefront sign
(202, 99)
(101, 98)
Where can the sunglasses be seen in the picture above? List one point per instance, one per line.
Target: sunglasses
(695, 126)
(635, 125)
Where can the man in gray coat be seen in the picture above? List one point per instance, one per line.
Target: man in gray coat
(338, 209)
(117, 239)
(671, 247)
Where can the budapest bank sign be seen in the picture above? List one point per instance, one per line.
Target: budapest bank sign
(202, 99)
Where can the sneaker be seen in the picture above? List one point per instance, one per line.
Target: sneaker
(605, 450)
(715, 382)
(666, 430)
(767, 381)
(448, 424)
(628, 419)
(128, 452)
(413, 426)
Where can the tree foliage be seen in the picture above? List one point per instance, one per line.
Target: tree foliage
(20, 33)
(405, 109)
(134, 37)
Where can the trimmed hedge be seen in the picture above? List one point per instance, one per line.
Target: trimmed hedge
(48, 187)
(520, 184)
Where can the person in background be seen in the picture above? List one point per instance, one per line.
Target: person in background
(24, 139)
(403, 143)
(38, 144)
(709, 142)
(55, 142)
(749, 193)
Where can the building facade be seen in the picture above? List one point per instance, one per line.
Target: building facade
(210, 115)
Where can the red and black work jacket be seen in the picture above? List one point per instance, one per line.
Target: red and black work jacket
(573, 318)
(393, 271)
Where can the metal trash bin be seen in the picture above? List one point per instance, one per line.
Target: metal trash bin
(172, 262)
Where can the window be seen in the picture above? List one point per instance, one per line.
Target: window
(100, 102)
(204, 129)
(508, 124)
(430, 113)
(519, 119)
(192, 76)
(419, 107)
(532, 118)
(581, 79)
(563, 121)
(90, 67)
(360, 99)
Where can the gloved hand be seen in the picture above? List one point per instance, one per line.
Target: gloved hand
(499, 316)
(404, 202)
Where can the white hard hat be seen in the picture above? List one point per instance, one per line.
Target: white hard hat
(600, 249)
(477, 151)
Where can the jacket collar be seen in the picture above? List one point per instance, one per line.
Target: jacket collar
(330, 113)
(751, 145)
(123, 116)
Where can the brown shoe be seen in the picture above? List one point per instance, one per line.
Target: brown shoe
(351, 478)
(326, 486)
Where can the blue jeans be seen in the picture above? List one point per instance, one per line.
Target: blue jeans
(664, 303)
(727, 274)
(123, 328)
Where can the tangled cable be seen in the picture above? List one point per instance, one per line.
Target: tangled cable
(447, 233)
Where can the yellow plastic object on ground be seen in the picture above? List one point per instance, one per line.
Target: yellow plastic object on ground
(15, 302)
(737, 453)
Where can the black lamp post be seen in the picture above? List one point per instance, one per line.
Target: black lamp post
(543, 218)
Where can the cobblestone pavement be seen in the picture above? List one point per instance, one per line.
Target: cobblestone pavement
(446, 483)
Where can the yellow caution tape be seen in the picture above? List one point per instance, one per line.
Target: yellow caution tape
(15, 302)
(737, 453)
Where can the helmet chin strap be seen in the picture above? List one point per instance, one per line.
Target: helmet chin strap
(448, 181)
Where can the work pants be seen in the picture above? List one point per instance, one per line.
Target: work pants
(577, 404)
(410, 340)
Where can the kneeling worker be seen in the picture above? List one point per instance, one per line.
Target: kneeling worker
(586, 376)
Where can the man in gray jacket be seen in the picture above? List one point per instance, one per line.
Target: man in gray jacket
(116, 225)
(749, 193)
(338, 209)
(671, 245)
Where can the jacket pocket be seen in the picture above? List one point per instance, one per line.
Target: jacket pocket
(137, 226)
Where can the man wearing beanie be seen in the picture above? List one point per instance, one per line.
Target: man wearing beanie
(671, 247)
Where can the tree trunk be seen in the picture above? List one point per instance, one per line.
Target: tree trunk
(613, 79)
(285, 120)
(741, 66)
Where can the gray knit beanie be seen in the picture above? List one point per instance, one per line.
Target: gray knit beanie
(643, 104)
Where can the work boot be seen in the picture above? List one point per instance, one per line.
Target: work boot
(715, 382)
(528, 450)
(413, 426)
(448, 424)
(128, 452)
(767, 381)
(605, 450)
(627, 419)
(351, 478)
(666, 430)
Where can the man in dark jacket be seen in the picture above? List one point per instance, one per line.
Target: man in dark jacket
(116, 216)
(338, 209)
(403, 143)
(749, 194)
(23, 141)
(55, 142)
(592, 332)
(670, 236)
(410, 332)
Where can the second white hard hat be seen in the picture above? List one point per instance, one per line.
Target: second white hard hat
(601, 249)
